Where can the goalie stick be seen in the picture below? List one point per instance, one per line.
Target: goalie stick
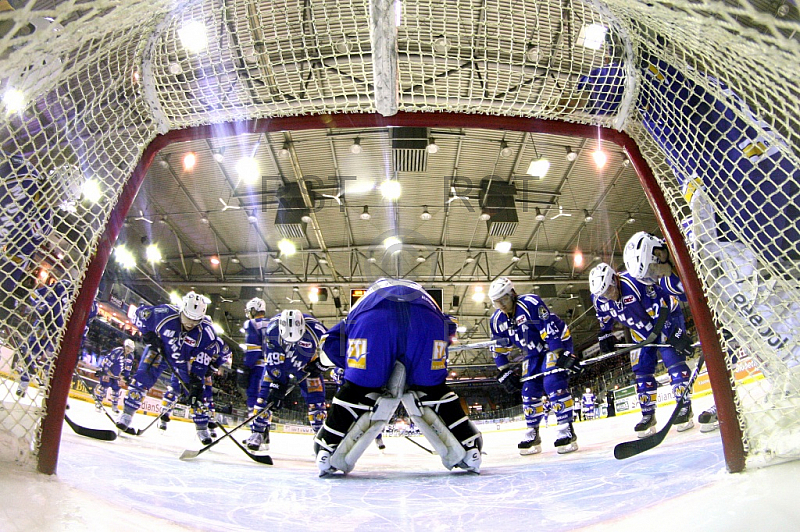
(632, 448)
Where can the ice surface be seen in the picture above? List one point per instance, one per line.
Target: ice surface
(138, 483)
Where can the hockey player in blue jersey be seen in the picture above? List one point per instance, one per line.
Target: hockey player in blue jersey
(546, 344)
(184, 336)
(621, 297)
(291, 341)
(710, 135)
(250, 375)
(393, 348)
(116, 366)
(587, 404)
(48, 304)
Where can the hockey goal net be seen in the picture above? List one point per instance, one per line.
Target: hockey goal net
(707, 91)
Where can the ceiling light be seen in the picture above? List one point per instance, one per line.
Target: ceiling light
(631, 219)
(306, 219)
(532, 53)
(393, 244)
(235, 260)
(478, 295)
(343, 46)
(313, 294)
(372, 260)
(596, 257)
(278, 260)
(432, 146)
(538, 168)
(571, 155)
(469, 259)
(365, 215)
(284, 152)
(214, 261)
(252, 218)
(124, 257)
(485, 216)
(421, 259)
(152, 253)
(248, 171)
(592, 36)
(193, 36)
(625, 161)
(323, 260)
(505, 151)
(515, 258)
(461, 328)
(219, 156)
(441, 44)
(163, 163)
(503, 246)
(14, 100)
(189, 162)
(425, 214)
(391, 189)
(162, 221)
(539, 216)
(356, 147)
(287, 247)
(205, 220)
(196, 260)
(558, 256)
(587, 217)
(577, 260)
(91, 191)
(600, 158)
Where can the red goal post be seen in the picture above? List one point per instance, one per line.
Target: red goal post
(717, 367)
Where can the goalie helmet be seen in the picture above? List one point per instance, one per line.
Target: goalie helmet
(194, 306)
(254, 306)
(600, 278)
(639, 255)
(500, 287)
(291, 325)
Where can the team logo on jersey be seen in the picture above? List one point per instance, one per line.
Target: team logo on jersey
(651, 291)
(520, 319)
(276, 373)
(314, 384)
(544, 313)
(191, 342)
(357, 353)
(628, 299)
(305, 344)
(144, 314)
(439, 355)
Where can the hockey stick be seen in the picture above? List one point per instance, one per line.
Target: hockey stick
(663, 314)
(501, 342)
(420, 445)
(632, 448)
(129, 430)
(189, 454)
(696, 344)
(97, 434)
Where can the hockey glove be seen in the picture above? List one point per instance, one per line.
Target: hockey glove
(98, 373)
(195, 391)
(275, 397)
(315, 368)
(680, 340)
(568, 361)
(154, 340)
(509, 380)
(607, 342)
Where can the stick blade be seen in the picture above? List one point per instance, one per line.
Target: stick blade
(97, 434)
(189, 454)
(261, 458)
(632, 448)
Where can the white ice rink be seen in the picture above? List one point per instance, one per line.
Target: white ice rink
(138, 484)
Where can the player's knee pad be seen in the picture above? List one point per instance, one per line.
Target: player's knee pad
(437, 412)
(134, 399)
(99, 392)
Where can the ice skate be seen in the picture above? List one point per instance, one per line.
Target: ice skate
(255, 441)
(471, 461)
(567, 440)
(646, 426)
(124, 421)
(684, 420)
(204, 436)
(324, 463)
(212, 428)
(98, 405)
(114, 409)
(23, 386)
(162, 425)
(379, 442)
(708, 420)
(531, 443)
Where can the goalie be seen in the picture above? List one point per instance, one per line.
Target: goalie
(393, 348)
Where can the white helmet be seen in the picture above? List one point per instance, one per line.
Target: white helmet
(600, 278)
(194, 306)
(638, 254)
(255, 305)
(129, 343)
(500, 287)
(291, 325)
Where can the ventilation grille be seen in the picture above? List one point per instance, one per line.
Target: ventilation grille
(409, 153)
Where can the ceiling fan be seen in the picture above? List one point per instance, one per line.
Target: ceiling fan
(143, 218)
(561, 213)
(226, 206)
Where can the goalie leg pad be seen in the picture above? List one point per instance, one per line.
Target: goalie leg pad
(437, 412)
(349, 405)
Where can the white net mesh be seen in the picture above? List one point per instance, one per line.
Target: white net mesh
(708, 90)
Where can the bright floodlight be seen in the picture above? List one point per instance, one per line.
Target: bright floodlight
(287, 247)
(193, 36)
(393, 244)
(577, 259)
(189, 162)
(461, 328)
(592, 36)
(313, 294)
(503, 247)
(538, 168)
(14, 100)
(152, 253)
(600, 158)
(478, 295)
(391, 189)
(91, 191)
(247, 168)
(175, 299)
(217, 328)
(124, 257)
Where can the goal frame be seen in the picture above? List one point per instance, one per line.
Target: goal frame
(718, 373)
